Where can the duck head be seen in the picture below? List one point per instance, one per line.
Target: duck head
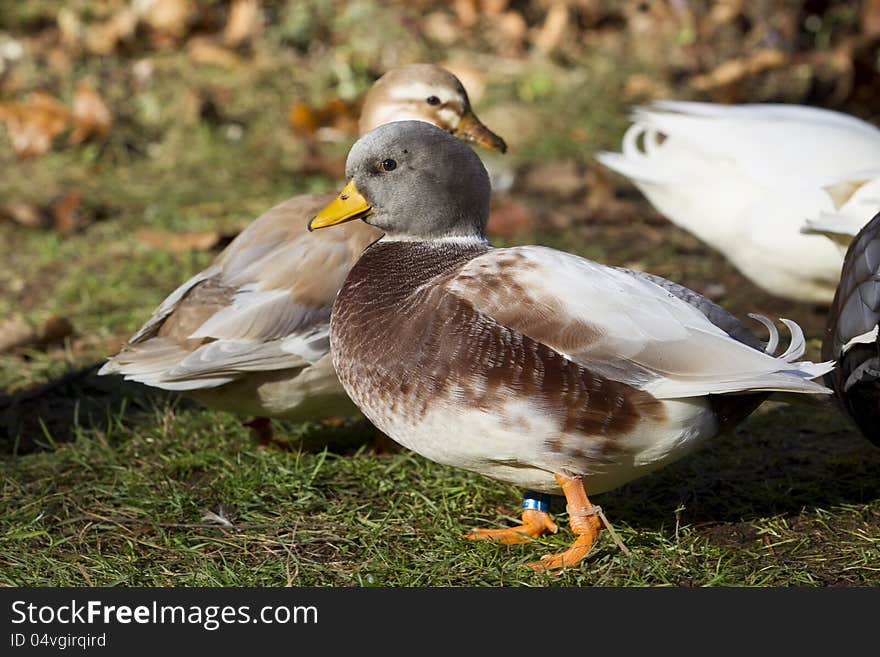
(415, 182)
(429, 93)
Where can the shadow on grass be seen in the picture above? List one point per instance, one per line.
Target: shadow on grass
(56, 411)
(81, 402)
(781, 461)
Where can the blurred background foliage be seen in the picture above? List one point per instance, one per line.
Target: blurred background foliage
(137, 137)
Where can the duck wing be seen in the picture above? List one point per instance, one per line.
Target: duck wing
(263, 304)
(625, 326)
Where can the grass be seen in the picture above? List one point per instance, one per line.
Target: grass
(107, 483)
(123, 504)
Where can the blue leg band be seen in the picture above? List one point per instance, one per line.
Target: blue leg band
(536, 501)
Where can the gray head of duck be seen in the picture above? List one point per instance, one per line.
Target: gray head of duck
(430, 93)
(412, 181)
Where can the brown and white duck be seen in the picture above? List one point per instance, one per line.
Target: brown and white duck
(527, 364)
(851, 336)
(249, 334)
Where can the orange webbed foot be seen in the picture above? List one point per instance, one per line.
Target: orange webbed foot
(585, 522)
(534, 524)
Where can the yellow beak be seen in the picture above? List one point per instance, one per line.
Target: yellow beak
(348, 206)
(470, 128)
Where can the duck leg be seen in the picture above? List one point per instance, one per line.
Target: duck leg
(261, 431)
(585, 523)
(535, 522)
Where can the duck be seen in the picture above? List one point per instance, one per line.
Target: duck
(763, 184)
(851, 333)
(529, 365)
(250, 333)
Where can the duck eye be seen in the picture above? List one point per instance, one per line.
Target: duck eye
(389, 165)
(432, 100)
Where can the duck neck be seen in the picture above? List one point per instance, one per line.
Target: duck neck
(405, 263)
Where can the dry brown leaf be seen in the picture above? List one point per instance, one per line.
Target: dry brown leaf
(553, 29)
(512, 28)
(169, 19)
(15, 333)
(24, 214)
(441, 27)
(738, 69)
(466, 11)
(493, 7)
(104, 38)
(70, 27)
(244, 24)
(66, 216)
(203, 50)
(641, 87)
(870, 18)
(91, 117)
(34, 124)
(725, 11)
(173, 241)
(302, 119)
(331, 122)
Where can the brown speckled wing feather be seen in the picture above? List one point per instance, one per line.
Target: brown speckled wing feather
(263, 304)
(624, 326)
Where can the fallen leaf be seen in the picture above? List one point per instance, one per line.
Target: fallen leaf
(870, 18)
(24, 214)
(168, 19)
(186, 241)
(244, 24)
(34, 124)
(441, 27)
(15, 333)
(466, 11)
(553, 29)
(493, 7)
(104, 38)
(640, 87)
(303, 120)
(735, 70)
(91, 117)
(66, 217)
(512, 29)
(333, 122)
(203, 50)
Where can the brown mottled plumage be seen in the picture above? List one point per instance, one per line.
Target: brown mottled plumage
(526, 364)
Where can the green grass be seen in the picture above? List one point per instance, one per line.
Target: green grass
(123, 503)
(105, 483)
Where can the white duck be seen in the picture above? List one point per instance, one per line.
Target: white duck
(249, 334)
(746, 179)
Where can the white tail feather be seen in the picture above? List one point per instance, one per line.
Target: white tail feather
(798, 344)
(773, 340)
